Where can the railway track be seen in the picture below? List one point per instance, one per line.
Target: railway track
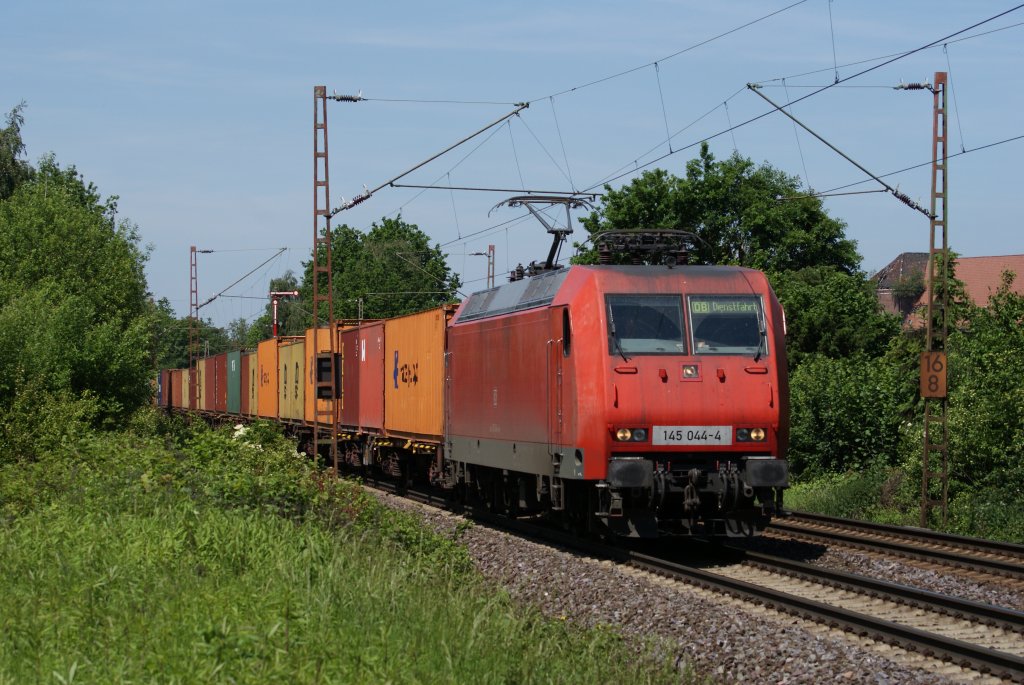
(987, 557)
(976, 636)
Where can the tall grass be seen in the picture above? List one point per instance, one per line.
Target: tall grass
(135, 560)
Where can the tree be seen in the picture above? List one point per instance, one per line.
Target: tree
(832, 313)
(13, 170)
(986, 400)
(743, 214)
(389, 271)
(74, 305)
(293, 316)
(171, 336)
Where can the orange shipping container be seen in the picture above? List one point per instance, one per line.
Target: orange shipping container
(266, 377)
(321, 344)
(291, 379)
(177, 378)
(414, 374)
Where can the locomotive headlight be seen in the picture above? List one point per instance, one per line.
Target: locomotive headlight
(690, 371)
(750, 435)
(631, 435)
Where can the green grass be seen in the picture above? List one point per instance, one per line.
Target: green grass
(892, 496)
(186, 560)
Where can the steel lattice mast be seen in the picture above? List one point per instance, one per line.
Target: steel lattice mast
(933, 360)
(325, 419)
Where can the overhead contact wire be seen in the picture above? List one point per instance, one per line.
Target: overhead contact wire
(758, 117)
(832, 30)
(674, 54)
(664, 113)
(952, 90)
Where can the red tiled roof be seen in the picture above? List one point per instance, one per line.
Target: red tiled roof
(982, 276)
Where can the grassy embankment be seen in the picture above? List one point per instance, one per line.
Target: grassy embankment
(892, 495)
(194, 557)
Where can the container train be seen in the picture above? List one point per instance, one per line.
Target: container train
(642, 401)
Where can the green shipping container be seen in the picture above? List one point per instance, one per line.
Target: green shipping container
(234, 382)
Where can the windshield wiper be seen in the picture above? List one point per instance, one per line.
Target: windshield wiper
(761, 342)
(615, 337)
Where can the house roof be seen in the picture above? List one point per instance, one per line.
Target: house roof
(905, 265)
(981, 276)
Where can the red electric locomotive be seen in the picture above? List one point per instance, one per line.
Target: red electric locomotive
(650, 399)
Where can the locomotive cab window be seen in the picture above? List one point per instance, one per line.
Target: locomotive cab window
(728, 324)
(645, 324)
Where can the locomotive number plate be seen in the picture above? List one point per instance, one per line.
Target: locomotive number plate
(692, 435)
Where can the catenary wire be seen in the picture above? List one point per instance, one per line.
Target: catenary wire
(668, 57)
(902, 55)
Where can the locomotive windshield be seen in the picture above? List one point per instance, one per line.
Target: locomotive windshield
(645, 324)
(726, 324)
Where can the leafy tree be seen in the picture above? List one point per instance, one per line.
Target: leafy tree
(986, 400)
(293, 316)
(743, 214)
(74, 306)
(171, 337)
(13, 170)
(846, 414)
(832, 313)
(238, 333)
(389, 271)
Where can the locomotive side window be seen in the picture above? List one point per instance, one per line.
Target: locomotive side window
(566, 333)
(645, 324)
(728, 324)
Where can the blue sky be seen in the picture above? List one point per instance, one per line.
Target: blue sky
(199, 115)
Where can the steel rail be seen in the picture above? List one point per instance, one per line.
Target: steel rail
(922, 534)
(979, 612)
(963, 653)
(1009, 569)
(976, 657)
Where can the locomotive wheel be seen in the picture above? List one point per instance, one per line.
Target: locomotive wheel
(510, 497)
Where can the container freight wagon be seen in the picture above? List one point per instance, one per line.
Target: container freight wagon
(351, 379)
(234, 384)
(291, 380)
(414, 348)
(318, 341)
(177, 388)
(266, 377)
(207, 383)
(220, 383)
(163, 389)
(247, 387)
(371, 376)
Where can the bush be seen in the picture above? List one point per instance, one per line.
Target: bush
(191, 555)
(845, 414)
